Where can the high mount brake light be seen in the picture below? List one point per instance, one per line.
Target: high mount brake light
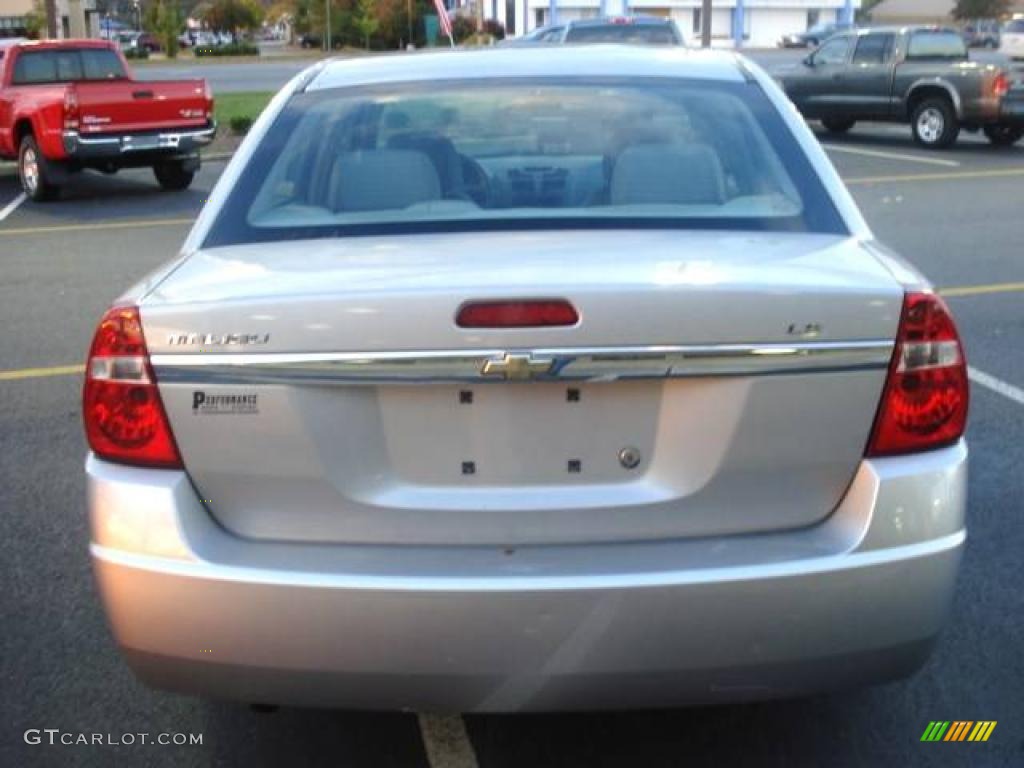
(124, 416)
(924, 403)
(527, 313)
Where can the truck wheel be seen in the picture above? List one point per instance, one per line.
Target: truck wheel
(837, 124)
(1003, 135)
(34, 173)
(934, 124)
(172, 175)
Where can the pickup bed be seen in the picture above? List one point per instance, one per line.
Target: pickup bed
(69, 105)
(916, 75)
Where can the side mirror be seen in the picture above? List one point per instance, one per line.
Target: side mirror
(809, 60)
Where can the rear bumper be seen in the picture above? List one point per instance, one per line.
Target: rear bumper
(1012, 108)
(856, 599)
(129, 148)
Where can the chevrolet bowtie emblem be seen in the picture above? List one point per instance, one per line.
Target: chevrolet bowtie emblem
(517, 367)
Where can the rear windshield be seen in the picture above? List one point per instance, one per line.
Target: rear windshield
(525, 154)
(645, 34)
(937, 45)
(67, 65)
(1016, 26)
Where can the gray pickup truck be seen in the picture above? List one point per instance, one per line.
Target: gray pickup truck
(916, 75)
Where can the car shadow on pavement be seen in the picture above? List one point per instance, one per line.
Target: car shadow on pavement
(309, 737)
(92, 197)
(136, 187)
(834, 730)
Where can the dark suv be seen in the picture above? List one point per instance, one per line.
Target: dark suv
(814, 36)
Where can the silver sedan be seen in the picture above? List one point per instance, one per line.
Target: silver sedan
(527, 380)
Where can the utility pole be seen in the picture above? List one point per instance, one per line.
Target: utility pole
(51, 19)
(327, 29)
(408, 17)
(705, 24)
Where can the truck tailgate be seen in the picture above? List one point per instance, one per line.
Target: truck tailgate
(129, 107)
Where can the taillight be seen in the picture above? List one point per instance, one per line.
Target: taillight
(528, 313)
(208, 97)
(1001, 85)
(924, 404)
(124, 417)
(70, 109)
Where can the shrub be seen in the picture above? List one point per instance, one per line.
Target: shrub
(494, 29)
(232, 49)
(136, 53)
(240, 124)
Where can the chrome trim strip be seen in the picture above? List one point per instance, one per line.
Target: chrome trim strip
(567, 364)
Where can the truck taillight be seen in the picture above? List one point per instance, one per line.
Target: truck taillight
(124, 416)
(70, 109)
(924, 403)
(1001, 85)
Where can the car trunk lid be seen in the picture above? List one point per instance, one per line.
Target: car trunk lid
(714, 384)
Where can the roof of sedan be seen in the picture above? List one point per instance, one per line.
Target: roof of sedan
(548, 61)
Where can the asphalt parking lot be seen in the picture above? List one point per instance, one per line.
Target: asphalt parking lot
(958, 215)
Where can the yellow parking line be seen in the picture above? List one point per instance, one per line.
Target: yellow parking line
(978, 290)
(38, 373)
(951, 176)
(127, 224)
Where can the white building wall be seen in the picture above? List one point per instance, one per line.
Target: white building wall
(765, 22)
(767, 25)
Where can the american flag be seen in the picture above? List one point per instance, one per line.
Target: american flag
(442, 16)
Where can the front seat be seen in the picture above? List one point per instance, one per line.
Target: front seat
(382, 180)
(442, 153)
(674, 174)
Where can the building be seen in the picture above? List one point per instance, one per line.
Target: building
(734, 23)
(12, 17)
(921, 11)
(75, 18)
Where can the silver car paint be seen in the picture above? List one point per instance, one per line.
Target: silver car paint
(344, 464)
(855, 594)
(855, 599)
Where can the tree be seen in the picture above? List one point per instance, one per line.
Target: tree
(163, 20)
(35, 20)
(233, 15)
(980, 9)
(365, 20)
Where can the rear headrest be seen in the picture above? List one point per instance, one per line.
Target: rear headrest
(382, 180)
(668, 173)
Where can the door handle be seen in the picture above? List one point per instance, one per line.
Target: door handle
(142, 94)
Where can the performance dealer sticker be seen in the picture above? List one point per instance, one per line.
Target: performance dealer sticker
(206, 403)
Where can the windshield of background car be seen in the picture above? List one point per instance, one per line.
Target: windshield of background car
(521, 154)
(643, 34)
(1016, 27)
(67, 65)
(936, 45)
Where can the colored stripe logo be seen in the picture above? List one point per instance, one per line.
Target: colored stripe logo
(958, 730)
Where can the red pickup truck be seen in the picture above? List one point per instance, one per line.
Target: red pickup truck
(66, 105)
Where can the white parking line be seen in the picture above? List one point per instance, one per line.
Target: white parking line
(446, 742)
(996, 385)
(890, 155)
(12, 206)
